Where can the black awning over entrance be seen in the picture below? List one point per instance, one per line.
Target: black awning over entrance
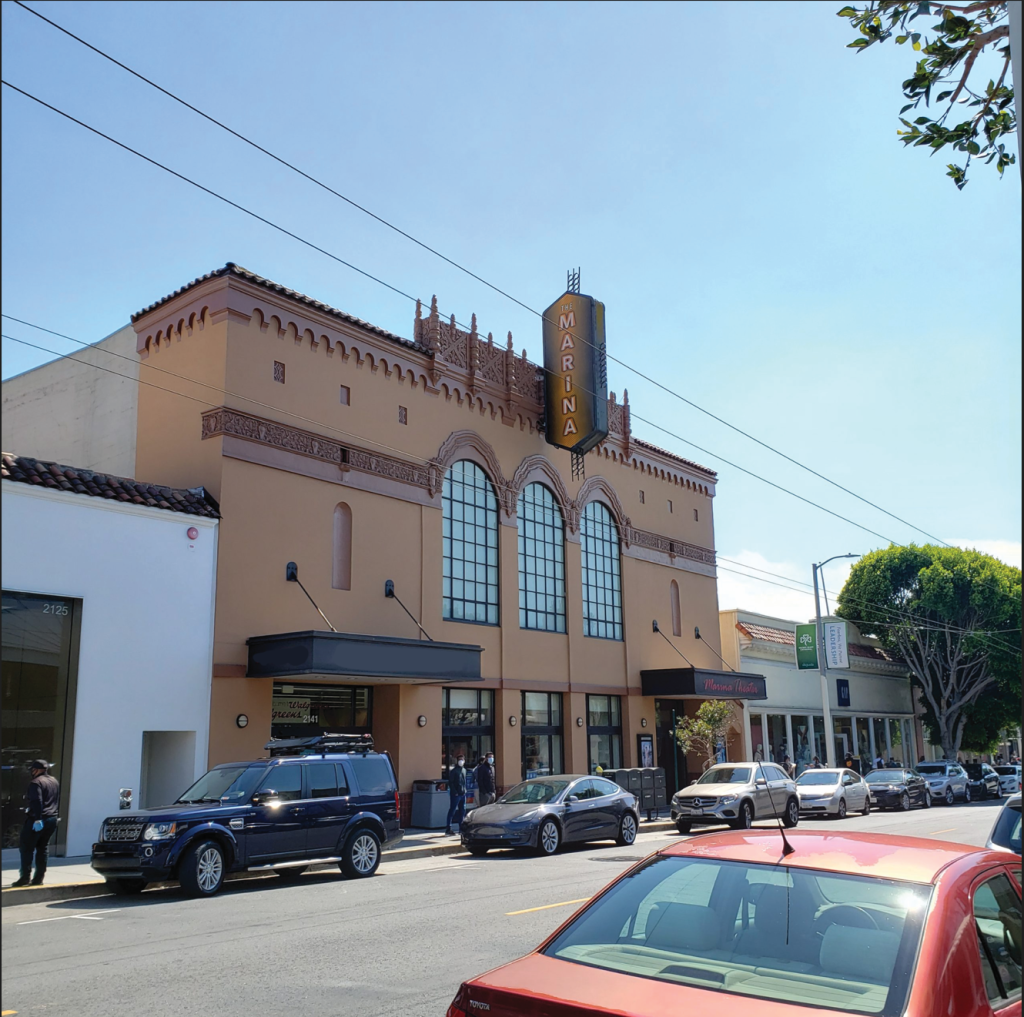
(352, 655)
(701, 683)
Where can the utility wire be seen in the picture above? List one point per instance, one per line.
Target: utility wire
(472, 274)
(220, 391)
(408, 296)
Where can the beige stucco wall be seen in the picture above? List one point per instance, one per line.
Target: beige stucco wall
(73, 413)
(278, 506)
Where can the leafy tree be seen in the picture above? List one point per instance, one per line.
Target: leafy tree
(961, 36)
(941, 609)
(703, 732)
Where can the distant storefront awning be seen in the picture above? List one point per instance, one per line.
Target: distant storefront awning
(701, 683)
(350, 655)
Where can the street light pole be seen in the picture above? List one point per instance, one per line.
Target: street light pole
(826, 709)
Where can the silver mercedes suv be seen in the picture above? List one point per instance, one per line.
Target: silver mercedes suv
(737, 794)
(947, 781)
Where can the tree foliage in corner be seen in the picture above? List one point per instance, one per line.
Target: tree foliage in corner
(703, 732)
(954, 617)
(960, 37)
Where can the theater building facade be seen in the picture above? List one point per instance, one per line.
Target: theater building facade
(402, 553)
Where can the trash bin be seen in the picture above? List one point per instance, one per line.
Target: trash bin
(429, 804)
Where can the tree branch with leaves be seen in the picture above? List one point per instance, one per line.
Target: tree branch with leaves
(948, 57)
(702, 732)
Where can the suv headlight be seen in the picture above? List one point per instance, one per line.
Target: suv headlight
(161, 831)
(726, 799)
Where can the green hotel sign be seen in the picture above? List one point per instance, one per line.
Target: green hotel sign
(806, 647)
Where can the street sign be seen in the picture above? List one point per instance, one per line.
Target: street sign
(806, 647)
(835, 645)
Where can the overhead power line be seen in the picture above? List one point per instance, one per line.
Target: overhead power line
(224, 391)
(471, 273)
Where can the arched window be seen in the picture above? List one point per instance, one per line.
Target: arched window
(341, 572)
(602, 582)
(541, 561)
(677, 621)
(470, 545)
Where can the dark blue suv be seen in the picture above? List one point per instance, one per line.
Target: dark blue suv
(324, 799)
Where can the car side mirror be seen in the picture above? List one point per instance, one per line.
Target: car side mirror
(761, 782)
(264, 796)
(572, 799)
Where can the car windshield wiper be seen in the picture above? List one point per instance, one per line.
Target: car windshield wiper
(209, 799)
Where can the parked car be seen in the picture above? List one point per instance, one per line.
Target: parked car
(1005, 835)
(280, 814)
(832, 792)
(737, 794)
(946, 780)
(1009, 777)
(726, 924)
(982, 780)
(898, 789)
(546, 812)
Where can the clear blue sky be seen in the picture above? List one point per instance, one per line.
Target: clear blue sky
(727, 176)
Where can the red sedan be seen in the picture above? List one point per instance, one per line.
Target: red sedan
(729, 924)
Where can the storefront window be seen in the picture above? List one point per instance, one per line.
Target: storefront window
(757, 736)
(802, 742)
(604, 732)
(881, 740)
(467, 726)
(303, 710)
(863, 745)
(40, 672)
(777, 746)
(542, 734)
(896, 742)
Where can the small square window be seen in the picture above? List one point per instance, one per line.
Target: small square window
(695, 516)
(641, 497)
(279, 371)
(403, 415)
(670, 506)
(344, 395)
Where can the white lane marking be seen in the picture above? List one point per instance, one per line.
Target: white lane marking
(91, 916)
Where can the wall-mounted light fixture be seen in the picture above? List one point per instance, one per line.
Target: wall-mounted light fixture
(421, 720)
(643, 722)
(242, 720)
(579, 722)
(513, 720)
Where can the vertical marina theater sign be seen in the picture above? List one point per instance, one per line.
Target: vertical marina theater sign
(575, 371)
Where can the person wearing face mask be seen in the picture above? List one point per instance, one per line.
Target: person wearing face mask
(456, 793)
(485, 784)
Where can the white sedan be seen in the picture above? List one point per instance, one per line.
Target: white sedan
(832, 792)
(1009, 778)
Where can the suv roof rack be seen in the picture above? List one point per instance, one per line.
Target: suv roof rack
(320, 745)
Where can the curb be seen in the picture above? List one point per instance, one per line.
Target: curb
(13, 896)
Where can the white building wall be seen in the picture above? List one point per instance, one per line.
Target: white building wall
(146, 652)
(70, 412)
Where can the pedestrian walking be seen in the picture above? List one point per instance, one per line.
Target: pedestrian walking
(879, 762)
(788, 766)
(40, 823)
(456, 793)
(486, 788)
(816, 764)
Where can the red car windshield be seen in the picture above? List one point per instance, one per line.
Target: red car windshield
(821, 939)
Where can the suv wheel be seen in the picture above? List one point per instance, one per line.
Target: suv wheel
(949, 797)
(201, 872)
(745, 819)
(627, 830)
(549, 837)
(967, 792)
(841, 811)
(126, 887)
(792, 814)
(361, 855)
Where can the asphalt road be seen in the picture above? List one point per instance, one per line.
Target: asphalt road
(398, 944)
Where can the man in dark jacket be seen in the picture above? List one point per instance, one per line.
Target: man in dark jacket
(456, 793)
(40, 822)
(485, 786)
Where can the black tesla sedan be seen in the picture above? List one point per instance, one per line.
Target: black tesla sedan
(898, 789)
(547, 812)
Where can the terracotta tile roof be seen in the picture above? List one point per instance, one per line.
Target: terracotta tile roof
(767, 633)
(672, 455)
(193, 501)
(257, 280)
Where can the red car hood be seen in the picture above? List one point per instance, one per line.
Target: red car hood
(539, 986)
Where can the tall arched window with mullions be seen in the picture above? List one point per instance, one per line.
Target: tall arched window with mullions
(541, 561)
(470, 545)
(602, 580)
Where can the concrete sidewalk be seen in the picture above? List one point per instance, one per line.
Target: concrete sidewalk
(71, 878)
